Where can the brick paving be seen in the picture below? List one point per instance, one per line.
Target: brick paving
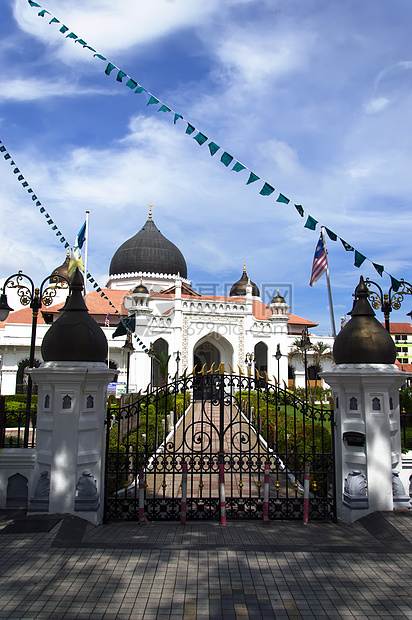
(63, 567)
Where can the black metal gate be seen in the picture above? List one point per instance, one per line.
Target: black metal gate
(202, 422)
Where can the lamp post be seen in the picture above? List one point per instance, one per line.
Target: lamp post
(249, 359)
(177, 358)
(278, 356)
(389, 301)
(129, 348)
(34, 297)
(305, 345)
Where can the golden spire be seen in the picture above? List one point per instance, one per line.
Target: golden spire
(244, 266)
(150, 211)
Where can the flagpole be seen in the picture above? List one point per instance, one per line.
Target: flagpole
(86, 252)
(329, 287)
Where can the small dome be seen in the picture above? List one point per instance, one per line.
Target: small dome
(141, 289)
(239, 287)
(278, 299)
(363, 340)
(148, 251)
(63, 269)
(74, 336)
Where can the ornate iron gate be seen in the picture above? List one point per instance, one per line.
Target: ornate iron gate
(201, 422)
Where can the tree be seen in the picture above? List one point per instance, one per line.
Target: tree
(162, 359)
(320, 352)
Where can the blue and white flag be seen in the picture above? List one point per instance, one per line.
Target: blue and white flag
(76, 255)
(320, 262)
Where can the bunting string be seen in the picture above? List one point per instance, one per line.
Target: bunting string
(226, 158)
(54, 228)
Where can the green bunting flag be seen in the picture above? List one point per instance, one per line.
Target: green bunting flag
(139, 90)
(311, 223)
(200, 138)
(176, 118)
(395, 284)
(347, 247)
(252, 178)
(124, 326)
(152, 100)
(213, 148)
(131, 83)
(266, 190)
(164, 108)
(226, 159)
(379, 268)
(300, 210)
(331, 235)
(120, 76)
(238, 167)
(109, 68)
(359, 258)
(190, 129)
(282, 198)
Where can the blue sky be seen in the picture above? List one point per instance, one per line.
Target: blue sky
(312, 96)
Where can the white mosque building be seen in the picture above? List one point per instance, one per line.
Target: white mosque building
(148, 279)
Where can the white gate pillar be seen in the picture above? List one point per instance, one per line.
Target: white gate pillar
(365, 385)
(70, 435)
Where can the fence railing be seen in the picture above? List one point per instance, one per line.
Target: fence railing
(17, 430)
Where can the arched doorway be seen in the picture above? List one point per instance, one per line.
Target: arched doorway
(206, 353)
(213, 348)
(261, 357)
(157, 369)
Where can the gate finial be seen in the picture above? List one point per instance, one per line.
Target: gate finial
(211, 369)
(221, 369)
(202, 372)
(240, 371)
(231, 369)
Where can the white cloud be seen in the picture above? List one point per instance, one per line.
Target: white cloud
(112, 27)
(34, 89)
(377, 104)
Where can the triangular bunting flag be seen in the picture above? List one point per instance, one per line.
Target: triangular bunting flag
(379, 268)
(300, 210)
(213, 147)
(200, 138)
(266, 190)
(109, 68)
(252, 178)
(359, 258)
(226, 159)
(311, 223)
(331, 235)
(176, 118)
(395, 284)
(190, 129)
(282, 198)
(347, 247)
(152, 100)
(238, 167)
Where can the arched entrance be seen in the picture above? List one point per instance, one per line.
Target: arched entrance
(157, 348)
(212, 349)
(261, 357)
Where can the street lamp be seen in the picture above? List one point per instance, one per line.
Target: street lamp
(177, 358)
(305, 345)
(129, 348)
(389, 301)
(249, 359)
(278, 355)
(34, 297)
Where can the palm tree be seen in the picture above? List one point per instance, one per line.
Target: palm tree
(162, 359)
(320, 352)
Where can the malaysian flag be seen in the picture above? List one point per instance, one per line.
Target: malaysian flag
(320, 262)
(107, 320)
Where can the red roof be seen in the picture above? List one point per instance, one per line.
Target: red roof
(98, 305)
(404, 367)
(400, 328)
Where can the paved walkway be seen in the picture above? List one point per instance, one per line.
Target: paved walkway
(62, 567)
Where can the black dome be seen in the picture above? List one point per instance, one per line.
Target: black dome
(239, 287)
(74, 336)
(363, 340)
(148, 251)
